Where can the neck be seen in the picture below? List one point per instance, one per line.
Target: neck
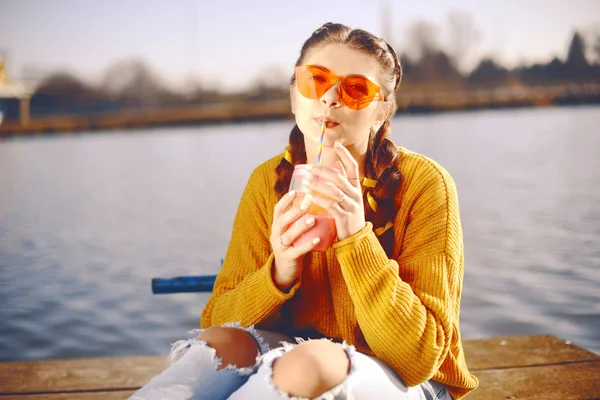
(329, 156)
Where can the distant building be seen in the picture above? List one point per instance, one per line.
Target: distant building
(14, 99)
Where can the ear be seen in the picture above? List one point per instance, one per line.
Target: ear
(383, 112)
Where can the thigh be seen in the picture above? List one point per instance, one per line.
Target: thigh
(374, 379)
(371, 378)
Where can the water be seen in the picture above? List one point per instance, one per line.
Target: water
(87, 220)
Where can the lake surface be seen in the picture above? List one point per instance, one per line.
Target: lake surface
(87, 220)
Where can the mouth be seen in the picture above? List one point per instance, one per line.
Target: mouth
(329, 122)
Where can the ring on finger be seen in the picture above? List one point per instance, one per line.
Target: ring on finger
(342, 199)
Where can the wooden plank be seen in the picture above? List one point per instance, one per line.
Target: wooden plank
(111, 395)
(91, 374)
(549, 382)
(522, 351)
(130, 373)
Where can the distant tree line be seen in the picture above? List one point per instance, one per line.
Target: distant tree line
(576, 68)
(133, 84)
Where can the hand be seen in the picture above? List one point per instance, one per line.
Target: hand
(343, 193)
(288, 225)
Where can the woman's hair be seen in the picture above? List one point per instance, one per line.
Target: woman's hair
(382, 155)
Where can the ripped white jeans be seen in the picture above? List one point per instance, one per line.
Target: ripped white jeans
(192, 374)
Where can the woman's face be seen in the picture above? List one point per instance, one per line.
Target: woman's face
(348, 126)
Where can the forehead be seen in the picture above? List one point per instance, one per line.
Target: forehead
(342, 60)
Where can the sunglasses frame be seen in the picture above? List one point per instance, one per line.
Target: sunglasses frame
(345, 97)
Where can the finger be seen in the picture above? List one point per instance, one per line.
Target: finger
(298, 228)
(283, 204)
(327, 189)
(331, 175)
(350, 164)
(340, 167)
(302, 249)
(281, 224)
(335, 207)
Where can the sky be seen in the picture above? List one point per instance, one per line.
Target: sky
(232, 44)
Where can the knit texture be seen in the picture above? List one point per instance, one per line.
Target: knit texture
(403, 310)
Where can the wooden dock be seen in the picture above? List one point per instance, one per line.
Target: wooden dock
(518, 367)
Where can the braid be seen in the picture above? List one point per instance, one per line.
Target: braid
(397, 66)
(381, 164)
(382, 160)
(285, 169)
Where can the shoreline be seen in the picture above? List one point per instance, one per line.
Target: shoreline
(409, 102)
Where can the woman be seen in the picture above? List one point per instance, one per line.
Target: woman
(386, 295)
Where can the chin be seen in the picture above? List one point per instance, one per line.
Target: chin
(309, 132)
(329, 142)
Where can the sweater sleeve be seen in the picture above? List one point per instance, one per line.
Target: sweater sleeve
(407, 308)
(244, 290)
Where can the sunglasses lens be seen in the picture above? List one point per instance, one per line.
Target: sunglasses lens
(358, 92)
(356, 87)
(313, 81)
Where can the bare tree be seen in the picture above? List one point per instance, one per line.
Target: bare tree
(463, 36)
(273, 77)
(423, 40)
(135, 81)
(576, 58)
(594, 44)
(591, 38)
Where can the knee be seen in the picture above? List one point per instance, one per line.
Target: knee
(233, 346)
(311, 368)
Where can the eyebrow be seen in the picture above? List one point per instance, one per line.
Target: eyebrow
(329, 70)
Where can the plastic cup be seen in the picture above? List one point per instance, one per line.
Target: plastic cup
(324, 227)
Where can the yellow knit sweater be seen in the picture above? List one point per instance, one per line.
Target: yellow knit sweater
(403, 310)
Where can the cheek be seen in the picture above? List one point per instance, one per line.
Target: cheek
(361, 121)
(303, 107)
(303, 112)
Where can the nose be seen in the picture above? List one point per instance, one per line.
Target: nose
(331, 98)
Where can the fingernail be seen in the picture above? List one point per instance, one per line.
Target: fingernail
(305, 182)
(292, 193)
(306, 202)
(316, 240)
(310, 221)
(338, 145)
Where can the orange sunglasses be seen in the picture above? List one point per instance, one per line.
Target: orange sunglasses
(356, 93)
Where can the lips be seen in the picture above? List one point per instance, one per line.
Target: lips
(330, 123)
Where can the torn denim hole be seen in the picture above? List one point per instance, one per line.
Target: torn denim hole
(193, 372)
(179, 348)
(264, 377)
(343, 391)
(263, 345)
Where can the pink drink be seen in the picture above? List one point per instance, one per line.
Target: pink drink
(324, 228)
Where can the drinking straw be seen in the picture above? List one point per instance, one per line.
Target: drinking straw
(321, 142)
